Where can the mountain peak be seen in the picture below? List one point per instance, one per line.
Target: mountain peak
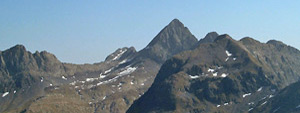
(175, 23)
(18, 47)
(210, 37)
(224, 36)
(174, 30)
(213, 33)
(275, 42)
(170, 40)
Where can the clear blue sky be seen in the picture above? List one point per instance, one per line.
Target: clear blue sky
(86, 31)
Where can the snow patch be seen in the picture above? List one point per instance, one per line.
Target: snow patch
(251, 103)
(271, 96)
(120, 84)
(215, 74)
(194, 76)
(127, 71)
(15, 91)
(210, 70)
(143, 84)
(91, 79)
(42, 79)
(224, 75)
(102, 76)
(248, 94)
(234, 59)
(107, 71)
(131, 83)
(218, 106)
(226, 59)
(123, 61)
(219, 67)
(263, 98)
(4, 94)
(259, 89)
(298, 106)
(225, 104)
(73, 83)
(121, 52)
(104, 98)
(51, 84)
(264, 103)
(250, 109)
(228, 53)
(63, 77)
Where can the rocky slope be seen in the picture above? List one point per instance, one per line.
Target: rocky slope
(24, 75)
(214, 74)
(39, 82)
(285, 101)
(223, 76)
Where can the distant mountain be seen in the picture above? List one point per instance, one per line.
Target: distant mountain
(223, 76)
(174, 73)
(109, 86)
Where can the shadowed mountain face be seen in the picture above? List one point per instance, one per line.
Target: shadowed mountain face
(39, 82)
(224, 76)
(285, 101)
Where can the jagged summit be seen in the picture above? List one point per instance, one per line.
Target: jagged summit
(246, 39)
(223, 36)
(171, 39)
(209, 38)
(275, 43)
(174, 30)
(17, 47)
(225, 39)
